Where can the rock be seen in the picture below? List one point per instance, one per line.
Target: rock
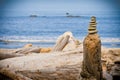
(115, 72)
(45, 50)
(92, 26)
(32, 15)
(110, 55)
(92, 57)
(28, 45)
(107, 76)
(92, 68)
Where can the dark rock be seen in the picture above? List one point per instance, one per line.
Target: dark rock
(115, 72)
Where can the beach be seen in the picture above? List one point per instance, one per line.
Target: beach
(55, 62)
(37, 49)
(59, 40)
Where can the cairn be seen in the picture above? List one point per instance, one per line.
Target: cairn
(92, 26)
(91, 68)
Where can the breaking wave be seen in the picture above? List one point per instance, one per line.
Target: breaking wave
(110, 39)
(27, 39)
(47, 39)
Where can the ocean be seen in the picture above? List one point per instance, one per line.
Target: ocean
(43, 31)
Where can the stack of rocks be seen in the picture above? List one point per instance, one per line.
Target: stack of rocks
(92, 68)
(92, 26)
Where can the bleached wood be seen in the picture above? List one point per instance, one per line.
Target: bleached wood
(44, 66)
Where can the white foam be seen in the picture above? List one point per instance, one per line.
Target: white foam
(110, 39)
(105, 39)
(27, 39)
(47, 39)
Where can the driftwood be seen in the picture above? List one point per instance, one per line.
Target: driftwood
(66, 42)
(53, 66)
(27, 50)
(9, 53)
(61, 43)
(62, 65)
(11, 75)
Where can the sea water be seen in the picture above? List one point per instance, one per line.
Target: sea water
(43, 31)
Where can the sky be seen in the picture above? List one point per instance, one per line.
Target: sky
(59, 7)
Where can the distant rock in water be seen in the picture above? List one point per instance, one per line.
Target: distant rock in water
(69, 15)
(72, 16)
(33, 15)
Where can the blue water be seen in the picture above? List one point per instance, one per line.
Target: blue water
(16, 31)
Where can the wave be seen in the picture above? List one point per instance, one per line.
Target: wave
(27, 39)
(106, 39)
(48, 39)
(110, 39)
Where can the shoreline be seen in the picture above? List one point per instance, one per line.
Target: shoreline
(13, 45)
(63, 58)
(20, 41)
(71, 60)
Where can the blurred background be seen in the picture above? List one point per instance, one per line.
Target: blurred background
(40, 22)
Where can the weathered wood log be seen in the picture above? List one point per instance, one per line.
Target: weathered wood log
(60, 38)
(61, 43)
(27, 50)
(72, 44)
(68, 72)
(60, 66)
(92, 68)
(66, 42)
(9, 53)
(12, 75)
